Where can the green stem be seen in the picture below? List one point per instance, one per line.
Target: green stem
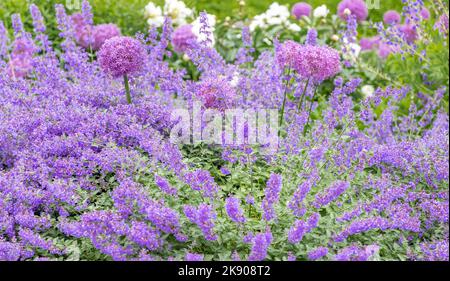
(127, 88)
(309, 112)
(280, 123)
(300, 103)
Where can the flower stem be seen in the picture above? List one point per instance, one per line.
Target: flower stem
(309, 112)
(127, 88)
(300, 102)
(280, 123)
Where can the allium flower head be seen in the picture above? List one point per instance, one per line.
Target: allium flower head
(425, 13)
(19, 67)
(369, 43)
(182, 38)
(442, 24)
(103, 32)
(122, 55)
(301, 9)
(286, 53)
(391, 17)
(357, 8)
(215, 93)
(409, 33)
(317, 62)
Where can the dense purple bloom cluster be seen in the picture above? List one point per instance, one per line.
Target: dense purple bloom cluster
(83, 173)
(232, 206)
(182, 38)
(301, 9)
(392, 17)
(357, 8)
(272, 195)
(331, 193)
(122, 56)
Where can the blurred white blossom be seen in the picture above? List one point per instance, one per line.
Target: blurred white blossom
(321, 11)
(276, 15)
(368, 90)
(153, 14)
(175, 9)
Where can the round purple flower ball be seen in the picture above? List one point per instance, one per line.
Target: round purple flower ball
(103, 32)
(19, 67)
(182, 38)
(121, 56)
(409, 33)
(391, 17)
(215, 93)
(425, 13)
(442, 24)
(384, 50)
(369, 43)
(357, 8)
(301, 9)
(286, 53)
(317, 62)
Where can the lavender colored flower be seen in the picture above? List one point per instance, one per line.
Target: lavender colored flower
(425, 13)
(317, 253)
(409, 33)
(19, 67)
(297, 231)
(205, 220)
(193, 257)
(357, 8)
(311, 37)
(301, 9)
(103, 32)
(332, 193)
(317, 62)
(164, 185)
(121, 56)
(369, 43)
(261, 243)
(442, 24)
(201, 180)
(234, 211)
(391, 17)
(215, 93)
(272, 194)
(183, 38)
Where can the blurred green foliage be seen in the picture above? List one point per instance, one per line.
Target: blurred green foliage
(128, 14)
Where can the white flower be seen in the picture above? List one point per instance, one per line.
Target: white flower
(294, 27)
(321, 11)
(355, 49)
(276, 15)
(235, 80)
(177, 11)
(368, 90)
(258, 21)
(196, 25)
(153, 14)
(186, 57)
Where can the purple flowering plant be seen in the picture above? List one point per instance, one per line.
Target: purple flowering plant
(86, 174)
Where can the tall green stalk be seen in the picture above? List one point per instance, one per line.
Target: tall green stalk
(280, 122)
(127, 88)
